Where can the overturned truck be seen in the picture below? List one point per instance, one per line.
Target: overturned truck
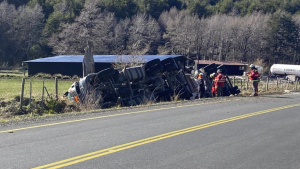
(156, 80)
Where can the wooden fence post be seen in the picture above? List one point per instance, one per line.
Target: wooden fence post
(22, 93)
(241, 83)
(56, 89)
(42, 102)
(297, 80)
(233, 81)
(277, 84)
(30, 92)
(267, 85)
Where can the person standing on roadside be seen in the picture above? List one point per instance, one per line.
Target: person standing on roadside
(200, 86)
(212, 79)
(219, 82)
(254, 77)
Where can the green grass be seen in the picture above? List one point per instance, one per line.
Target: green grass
(11, 87)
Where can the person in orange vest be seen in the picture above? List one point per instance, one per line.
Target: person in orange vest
(254, 77)
(219, 82)
(212, 79)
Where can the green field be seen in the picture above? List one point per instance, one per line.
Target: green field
(11, 87)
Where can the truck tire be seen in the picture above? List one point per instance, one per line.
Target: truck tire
(106, 72)
(151, 63)
(153, 67)
(169, 64)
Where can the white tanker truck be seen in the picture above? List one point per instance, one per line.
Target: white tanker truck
(292, 72)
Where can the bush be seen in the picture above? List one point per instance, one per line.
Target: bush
(58, 76)
(66, 77)
(55, 106)
(43, 75)
(75, 77)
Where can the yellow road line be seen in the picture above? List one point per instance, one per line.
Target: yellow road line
(92, 155)
(100, 117)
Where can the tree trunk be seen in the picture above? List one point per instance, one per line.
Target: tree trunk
(88, 64)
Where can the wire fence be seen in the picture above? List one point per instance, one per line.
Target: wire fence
(42, 91)
(267, 84)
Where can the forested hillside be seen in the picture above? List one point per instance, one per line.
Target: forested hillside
(237, 30)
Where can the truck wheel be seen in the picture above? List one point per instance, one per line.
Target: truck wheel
(153, 67)
(151, 63)
(106, 72)
(116, 76)
(169, 64)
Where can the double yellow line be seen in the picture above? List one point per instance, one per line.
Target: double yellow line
(92, 155)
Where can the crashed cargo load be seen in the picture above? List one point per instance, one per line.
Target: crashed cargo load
(155, 81)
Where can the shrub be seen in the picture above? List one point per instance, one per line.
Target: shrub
(58, 76)
(75, 77)
(55, 106)
(43, 75)
(66, 77)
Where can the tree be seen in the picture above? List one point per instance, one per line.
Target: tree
(93, 24)
(7, 15)
(200, 8)
(121, 35)
(225, 6)
(143, 35)
(283, 37)
(121, 8)
(152, 7)
(29, 26)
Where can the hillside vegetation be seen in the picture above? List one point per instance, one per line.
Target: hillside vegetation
(237, 30)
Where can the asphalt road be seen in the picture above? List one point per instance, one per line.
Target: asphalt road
(222, 133)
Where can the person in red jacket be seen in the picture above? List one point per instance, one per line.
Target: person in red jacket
(254, 77)
(219, 82)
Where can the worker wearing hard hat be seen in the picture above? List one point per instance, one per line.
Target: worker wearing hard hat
(219, 82)
(200, 85)
(254, 77)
